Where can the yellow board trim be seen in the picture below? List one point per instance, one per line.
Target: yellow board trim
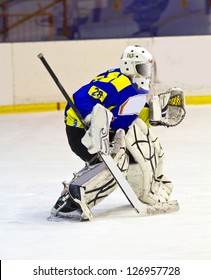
(30, 108)
(44, 107)
(198, 100)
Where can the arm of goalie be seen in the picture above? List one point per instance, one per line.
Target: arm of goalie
(168, 108)
(96, 138)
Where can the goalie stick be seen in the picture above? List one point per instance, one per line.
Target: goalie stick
(139, 207)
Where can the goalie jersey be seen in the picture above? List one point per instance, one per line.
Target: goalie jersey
(113, 90)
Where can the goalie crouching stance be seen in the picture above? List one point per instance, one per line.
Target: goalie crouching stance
(115, 107)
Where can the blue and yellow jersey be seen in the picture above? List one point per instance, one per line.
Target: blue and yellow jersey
(116, 92)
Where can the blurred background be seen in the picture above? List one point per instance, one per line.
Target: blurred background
(36, 20)
(81, 38)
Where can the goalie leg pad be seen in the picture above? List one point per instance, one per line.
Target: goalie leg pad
(146, 177)
(93, 183)
(103, 184)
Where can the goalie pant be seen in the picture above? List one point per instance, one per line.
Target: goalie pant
(145, 176)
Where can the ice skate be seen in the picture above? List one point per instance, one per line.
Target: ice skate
(72, 204)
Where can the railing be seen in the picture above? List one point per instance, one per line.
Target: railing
(36, 28)
(38, 25)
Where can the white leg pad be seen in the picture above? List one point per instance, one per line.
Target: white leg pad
(146, 177)
(102, 184)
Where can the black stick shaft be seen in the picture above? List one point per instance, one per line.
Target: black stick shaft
(63, 91)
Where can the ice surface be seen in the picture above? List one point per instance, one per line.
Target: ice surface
(35, 159)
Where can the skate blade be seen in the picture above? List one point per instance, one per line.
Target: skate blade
(57, 216)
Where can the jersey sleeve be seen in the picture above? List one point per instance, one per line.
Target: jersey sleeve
(144, 115)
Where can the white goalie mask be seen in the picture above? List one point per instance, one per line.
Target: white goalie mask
(136, 62)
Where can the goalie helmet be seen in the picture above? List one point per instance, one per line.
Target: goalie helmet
(136, 62)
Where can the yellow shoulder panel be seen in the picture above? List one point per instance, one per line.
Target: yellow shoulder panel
(121, 82)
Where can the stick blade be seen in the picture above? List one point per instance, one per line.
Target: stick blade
(162, 208)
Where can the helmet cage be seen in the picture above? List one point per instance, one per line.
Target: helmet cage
(144, 69)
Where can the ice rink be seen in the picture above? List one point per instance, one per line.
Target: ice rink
(35, 158)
